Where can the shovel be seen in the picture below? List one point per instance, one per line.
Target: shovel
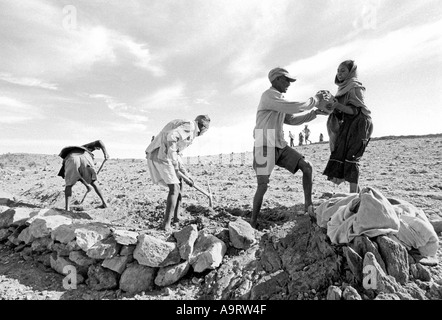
(207, 194)
(97, 175)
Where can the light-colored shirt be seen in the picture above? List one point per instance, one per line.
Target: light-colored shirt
(274, 111)
(176, 136)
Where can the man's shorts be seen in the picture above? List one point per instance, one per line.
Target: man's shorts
(265, 158)
(78, 165)
(161, 172)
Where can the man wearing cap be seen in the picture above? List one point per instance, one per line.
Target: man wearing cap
(270, 147)
(165, 163)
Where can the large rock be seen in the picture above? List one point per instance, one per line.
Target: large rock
(64, 233)
(355, 263)
(88, 235)
(208, 252)
(117, 263)
(43, 226)
(375, 278)
(350, 293)
(362, 244)
(186, 238)
(232, 280)
(171, 274)
(241, 233)
(305, 254)
(100, 278)
(153, 252)
(420, 272)
(334, 293)
(125, 237)
(104, 249)
(137, 278)
(395, 257)
(26, 236)
(15, 216)
(80, 258)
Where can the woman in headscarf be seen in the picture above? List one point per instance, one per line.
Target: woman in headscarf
(349, 127)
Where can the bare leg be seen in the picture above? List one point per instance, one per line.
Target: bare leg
(171, 202)
(307, 181)
(178, 204)
(97, 190)
(87, 185)
(67, 196)
(263, 184)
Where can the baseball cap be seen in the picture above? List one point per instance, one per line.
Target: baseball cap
(276, 72)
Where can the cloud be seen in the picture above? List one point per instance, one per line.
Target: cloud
(15, 111)
(123, 110)
(88, 45)
(29, 82)
(166, 98)
(66, 50)
(373, 56)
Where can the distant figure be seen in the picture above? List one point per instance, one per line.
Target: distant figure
(78, 165)
(321, 137)
(301, 138)
(349, 127)
(306, 134)
(166, 165)
(153, 137)
(292, 138)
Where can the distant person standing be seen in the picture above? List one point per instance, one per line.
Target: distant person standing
(321, 137)
(306, 134)
(349, 127)
(153, 137)
(301, 139)
(78, 165)
(165, 163)
(292, 138)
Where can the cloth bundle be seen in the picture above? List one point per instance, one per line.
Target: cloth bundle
(370, 213)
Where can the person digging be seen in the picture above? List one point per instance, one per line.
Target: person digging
(78, 165)
(165, 163)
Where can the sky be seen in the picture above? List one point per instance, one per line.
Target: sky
(73, 72)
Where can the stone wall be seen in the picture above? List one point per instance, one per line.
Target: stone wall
(294, 261)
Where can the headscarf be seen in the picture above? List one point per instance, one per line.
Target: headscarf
(350, 82)
(203, 119)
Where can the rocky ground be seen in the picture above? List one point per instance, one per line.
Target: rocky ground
(409, 168)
